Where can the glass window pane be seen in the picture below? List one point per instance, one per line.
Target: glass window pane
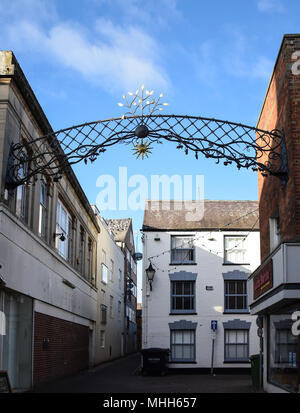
(187, 352)
(240, 303)
(240, 287)
(231, 287)
(241, 351)
(231, 303)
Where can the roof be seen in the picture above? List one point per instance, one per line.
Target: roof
(119, 227)
(200, 215)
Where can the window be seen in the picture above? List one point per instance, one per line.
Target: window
(130, 314)
(183, 345)
(234, 250)
(102, 338)
(22, 190)
(103, 297)
(182, 296)
(103, 257)
(286, 346)
(274, 224)
(104, 268)
(119, 309)
(81, 252)
(111, 306)
(236, 296)
(111, 270)
(43, 212)
(103, 314)
(283, 354)
(182, 250)
(104, 273)
(120, 279)
(90, 259)
(236, 345)
(63, 226)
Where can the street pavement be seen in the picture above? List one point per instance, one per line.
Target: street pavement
(123, 376)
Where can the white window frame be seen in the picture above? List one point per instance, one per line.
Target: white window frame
(175, 335)
(22, 190)
(112, 270)
(111, 306)
(236, 249)
(43, 210)
(274, 226)
(102, 338)
(245, 343)
(64, 247)
(183, 243)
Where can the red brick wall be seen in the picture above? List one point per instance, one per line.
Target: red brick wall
(67, 352)
(281, 110)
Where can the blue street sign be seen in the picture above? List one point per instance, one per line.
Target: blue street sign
(214, 325)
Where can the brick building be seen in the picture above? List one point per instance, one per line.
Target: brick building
(274, 288)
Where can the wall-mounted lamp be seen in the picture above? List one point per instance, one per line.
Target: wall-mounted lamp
(150, 272)
(60, 235)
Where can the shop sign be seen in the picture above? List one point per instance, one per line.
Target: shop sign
(263, 281)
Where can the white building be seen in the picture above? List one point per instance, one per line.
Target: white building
(123, 233)
(110, 324)
(201, 271)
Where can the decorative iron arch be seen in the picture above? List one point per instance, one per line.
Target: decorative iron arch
(232, 143)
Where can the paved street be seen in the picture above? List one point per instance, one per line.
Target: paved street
(122, 376)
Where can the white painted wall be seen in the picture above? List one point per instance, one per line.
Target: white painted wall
(209, 304)
(114, 326)
(32, 268)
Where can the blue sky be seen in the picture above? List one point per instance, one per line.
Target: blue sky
(209, 58)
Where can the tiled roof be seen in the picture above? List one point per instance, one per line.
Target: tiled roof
(119, 227)
(193, 215)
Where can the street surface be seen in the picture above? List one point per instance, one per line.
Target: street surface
(122, 376)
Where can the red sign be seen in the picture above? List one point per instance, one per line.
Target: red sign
(263, 281)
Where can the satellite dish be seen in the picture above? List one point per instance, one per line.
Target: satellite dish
(138, 256)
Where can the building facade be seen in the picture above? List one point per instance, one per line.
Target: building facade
(200, 283)
(110, 325)
(274, 288)
(123, 232)
(48, 236)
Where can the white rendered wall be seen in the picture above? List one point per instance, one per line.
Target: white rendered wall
(209, 304)
(114, 326)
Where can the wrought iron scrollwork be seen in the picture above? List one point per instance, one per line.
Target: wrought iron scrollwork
(229, 142)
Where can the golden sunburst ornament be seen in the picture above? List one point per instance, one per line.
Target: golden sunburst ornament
(142, 101)
(142, 148)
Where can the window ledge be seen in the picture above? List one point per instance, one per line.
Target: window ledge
(236, 312)
(236, 362)
(183, 313)
(233, 263)
(183, 263)
(182, 362)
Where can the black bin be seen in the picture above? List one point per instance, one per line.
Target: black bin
(154, 361)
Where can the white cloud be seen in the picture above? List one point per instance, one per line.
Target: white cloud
(152, 13)
(114, 57)
(270, 6)
(229, 56)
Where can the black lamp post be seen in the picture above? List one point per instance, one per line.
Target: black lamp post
(150, 272)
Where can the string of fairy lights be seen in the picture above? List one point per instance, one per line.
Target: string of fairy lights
(200, 236)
